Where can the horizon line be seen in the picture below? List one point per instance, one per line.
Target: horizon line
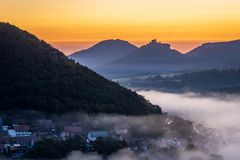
(71, 46)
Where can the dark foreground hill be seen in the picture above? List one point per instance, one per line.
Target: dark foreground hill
(36, 76)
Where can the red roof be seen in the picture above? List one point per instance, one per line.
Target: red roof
(73, 129)
(22, 127)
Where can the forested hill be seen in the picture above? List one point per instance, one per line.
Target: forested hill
(36, 76)
(225, 81)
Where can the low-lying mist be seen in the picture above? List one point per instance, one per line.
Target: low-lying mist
(218, 136)
(216, 111)
(220, 112)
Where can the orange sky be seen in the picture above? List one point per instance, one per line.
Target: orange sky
(72, 25)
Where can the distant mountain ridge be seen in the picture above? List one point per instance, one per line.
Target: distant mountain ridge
(218, 55)
(216, 46)
(36, 76)
(103, 52)
(153, 52)
(152, 57)
(156, 57)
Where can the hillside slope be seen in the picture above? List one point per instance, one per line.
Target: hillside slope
(36, 76)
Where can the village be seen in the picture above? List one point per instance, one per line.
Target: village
(19, 136)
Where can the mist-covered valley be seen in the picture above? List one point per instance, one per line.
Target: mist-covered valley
(55, 108)
(214, 116)
(218, 111)
(120, 80)
(52, 106)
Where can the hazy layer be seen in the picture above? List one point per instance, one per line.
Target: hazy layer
(220, 111)
(216, 111)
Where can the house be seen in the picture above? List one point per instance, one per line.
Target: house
(7, 148)
(44, 126)
(5, 128)
(15, 147)
(21, 128)
(23, 134)
(4, 138)
(25, 141)
(15, 150)
(12, 133)
(169, 122)
(93, 136)
(122, 131)
(139, 145)
(71, 131)
(121, 128)
(167, 143)
(18, 155)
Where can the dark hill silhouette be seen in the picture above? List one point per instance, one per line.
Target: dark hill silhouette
(153, 57)
(218, 55)
(36, 76)
(153, 52)
(159, 58)
(103, 52)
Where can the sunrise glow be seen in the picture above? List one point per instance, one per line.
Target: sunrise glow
(75, 24)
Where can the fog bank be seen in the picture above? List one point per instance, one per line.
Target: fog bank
(218, 111)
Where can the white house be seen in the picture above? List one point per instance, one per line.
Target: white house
(92, 136)
(13, 133)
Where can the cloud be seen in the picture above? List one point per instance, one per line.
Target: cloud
(76, 155)
(215, 111)
(124, 154)
(220, 112)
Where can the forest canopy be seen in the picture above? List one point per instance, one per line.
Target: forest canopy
(36, 76)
